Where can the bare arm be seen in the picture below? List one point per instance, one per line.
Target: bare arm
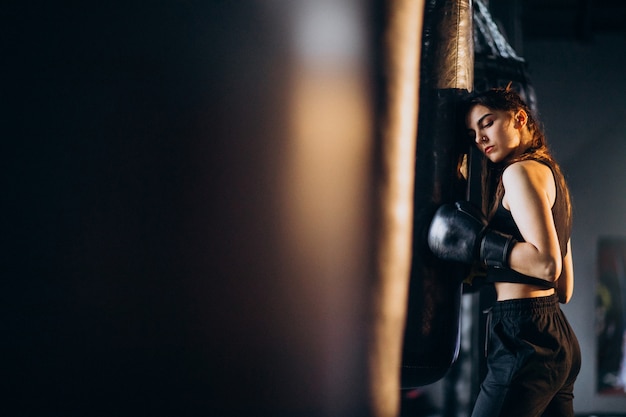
(529, 195)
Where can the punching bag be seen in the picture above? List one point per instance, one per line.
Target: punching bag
(431, 341)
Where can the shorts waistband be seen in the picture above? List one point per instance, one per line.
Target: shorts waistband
(535, 305)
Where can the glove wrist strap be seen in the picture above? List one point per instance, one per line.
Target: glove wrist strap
(495, 249)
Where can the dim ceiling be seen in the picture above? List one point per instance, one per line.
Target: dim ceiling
(567, 19)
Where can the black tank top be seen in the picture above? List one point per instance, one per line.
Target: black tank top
(502, 221)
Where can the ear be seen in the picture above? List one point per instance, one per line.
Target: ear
(521, 118)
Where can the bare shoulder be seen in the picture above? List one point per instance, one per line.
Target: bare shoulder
(530, 177)
(528, 171)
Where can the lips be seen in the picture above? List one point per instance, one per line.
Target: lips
(488, 150)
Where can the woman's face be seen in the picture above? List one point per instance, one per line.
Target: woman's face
(497, 133)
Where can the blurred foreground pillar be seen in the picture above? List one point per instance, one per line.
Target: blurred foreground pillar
(210, 207)
(293, 258)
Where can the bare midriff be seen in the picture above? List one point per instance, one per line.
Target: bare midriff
(513, 291)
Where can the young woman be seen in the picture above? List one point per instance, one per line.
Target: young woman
(524, 243)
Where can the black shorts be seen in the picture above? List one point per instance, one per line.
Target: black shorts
(532, 363)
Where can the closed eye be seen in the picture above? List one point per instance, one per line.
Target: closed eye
(485, 121)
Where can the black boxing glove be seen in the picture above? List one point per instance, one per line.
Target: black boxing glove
(455, 231)
(458, 232)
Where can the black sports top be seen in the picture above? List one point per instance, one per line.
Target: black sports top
(502, 221)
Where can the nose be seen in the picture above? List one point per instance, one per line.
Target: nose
(481, 139)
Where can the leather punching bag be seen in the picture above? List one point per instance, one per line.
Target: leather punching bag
(431, 342)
